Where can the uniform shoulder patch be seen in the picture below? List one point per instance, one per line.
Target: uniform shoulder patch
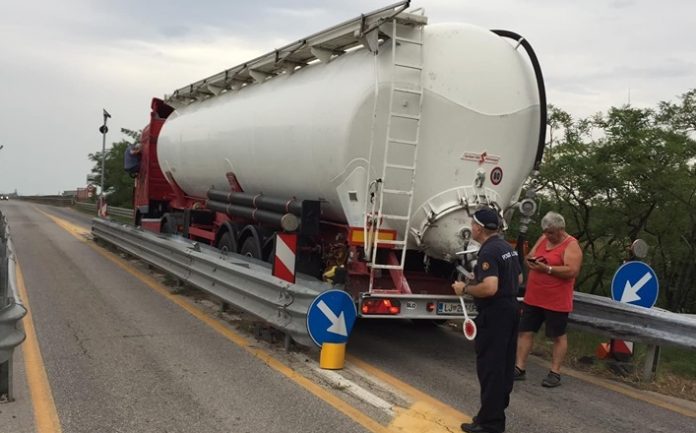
(485, 266)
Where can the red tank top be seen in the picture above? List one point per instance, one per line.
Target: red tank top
(548, 291)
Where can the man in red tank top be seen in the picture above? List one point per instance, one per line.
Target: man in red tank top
(554, 263)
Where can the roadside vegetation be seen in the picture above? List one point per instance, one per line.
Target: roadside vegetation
(118, 184)
(676, 372)
(627, 174)
(622, 175)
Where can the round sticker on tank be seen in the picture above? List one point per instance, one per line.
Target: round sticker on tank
(496, 175)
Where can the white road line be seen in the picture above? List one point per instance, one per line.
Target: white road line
(340, 382)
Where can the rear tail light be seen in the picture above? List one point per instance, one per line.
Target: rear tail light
(380, 306)
(430, 307)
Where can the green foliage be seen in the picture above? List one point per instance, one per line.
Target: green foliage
(624, 175)
(118, 184)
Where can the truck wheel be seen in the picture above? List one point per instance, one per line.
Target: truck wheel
(227, 243)
(251, 248)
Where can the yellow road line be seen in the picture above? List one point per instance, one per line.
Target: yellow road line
(45, 413)
(427, 414)
(228, 333)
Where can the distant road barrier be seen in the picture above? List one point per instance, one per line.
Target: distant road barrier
(58, 200)
(54, 200)
(11, 311)
(112, 210)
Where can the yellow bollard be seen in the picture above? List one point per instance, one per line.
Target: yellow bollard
(333, 356)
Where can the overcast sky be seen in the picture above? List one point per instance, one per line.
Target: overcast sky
(62, 61)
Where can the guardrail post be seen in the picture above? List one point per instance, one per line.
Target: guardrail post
(652, 358)
(6, 389)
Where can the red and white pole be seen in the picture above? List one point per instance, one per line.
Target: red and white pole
(285, 254)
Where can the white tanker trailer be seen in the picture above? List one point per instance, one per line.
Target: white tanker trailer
(397, 130)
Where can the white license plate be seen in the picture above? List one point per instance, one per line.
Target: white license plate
(449, 308)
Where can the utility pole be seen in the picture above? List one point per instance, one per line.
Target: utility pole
(103, 129)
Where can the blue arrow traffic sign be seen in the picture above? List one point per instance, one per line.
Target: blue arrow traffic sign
(635, 283)
(331, 317)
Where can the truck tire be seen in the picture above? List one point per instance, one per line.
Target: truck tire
(251, 248)
(227, 243)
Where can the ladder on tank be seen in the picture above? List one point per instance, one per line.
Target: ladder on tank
(322, 47)
(396, 186)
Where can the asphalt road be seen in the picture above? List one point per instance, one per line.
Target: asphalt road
(119, 357)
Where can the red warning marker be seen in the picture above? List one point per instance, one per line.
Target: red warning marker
(284, 259)
(602, 351)
(469, 327)
(621, 350)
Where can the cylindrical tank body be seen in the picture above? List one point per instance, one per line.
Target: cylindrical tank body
(308, 134)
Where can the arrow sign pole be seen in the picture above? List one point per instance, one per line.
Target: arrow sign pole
(630, 293)
(338, 324)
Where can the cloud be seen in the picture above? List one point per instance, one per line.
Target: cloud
(297, 13)
(622, 4)
(62, 62)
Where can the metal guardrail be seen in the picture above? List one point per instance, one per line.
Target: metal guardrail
(112, 210)
(238, 280)
(248, 284)
(605, 316)
(53, 200)
(88, 207)
(70, 201)
(11, 311)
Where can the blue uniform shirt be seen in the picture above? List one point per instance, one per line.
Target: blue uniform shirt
(497, 258)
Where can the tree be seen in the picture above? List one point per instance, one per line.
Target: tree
(636, 180)
(118, 184)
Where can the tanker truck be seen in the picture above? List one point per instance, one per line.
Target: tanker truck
(374, 141)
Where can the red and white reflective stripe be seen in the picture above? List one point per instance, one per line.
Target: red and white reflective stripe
(623, 347)
(285, 253)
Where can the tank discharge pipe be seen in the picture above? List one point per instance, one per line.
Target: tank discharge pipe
(286, 221)
(540, 88)
(257, 201)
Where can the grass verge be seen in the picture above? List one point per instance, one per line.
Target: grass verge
(676, 372)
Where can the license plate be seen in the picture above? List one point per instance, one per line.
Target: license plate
(450, 308)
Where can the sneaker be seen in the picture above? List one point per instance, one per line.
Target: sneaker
(551, 380)
(519, 374)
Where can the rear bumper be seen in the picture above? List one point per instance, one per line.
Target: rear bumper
(414, 306)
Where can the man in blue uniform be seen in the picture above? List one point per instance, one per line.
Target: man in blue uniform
(497, 278)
